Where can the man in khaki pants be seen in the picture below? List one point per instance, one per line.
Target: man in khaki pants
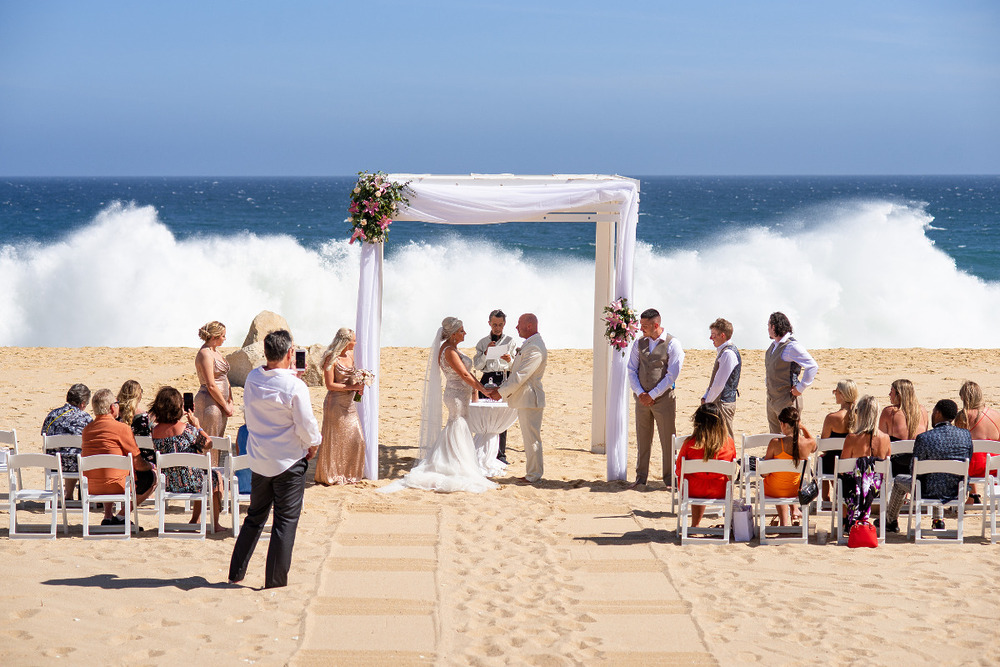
(523, 390)
(653, 367)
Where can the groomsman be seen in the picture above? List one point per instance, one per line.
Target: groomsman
(723, 387)
(495, 370)
(523, 390)
(784, 360)
(653, 367)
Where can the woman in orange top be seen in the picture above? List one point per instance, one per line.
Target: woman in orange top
(710, 441)
(796, 445)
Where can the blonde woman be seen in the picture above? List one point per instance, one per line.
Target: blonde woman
(983, 423)
(130, 410)
(341, 456)
(866, 443)
(838, 424)
(904, 419)
(213, 404)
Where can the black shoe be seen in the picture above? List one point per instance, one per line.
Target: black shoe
(503, 460)
(114, 521)
(890, 526)
(937, 524)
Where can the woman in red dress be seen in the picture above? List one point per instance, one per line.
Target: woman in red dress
(710, 441)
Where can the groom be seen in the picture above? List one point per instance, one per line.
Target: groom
(523, 390)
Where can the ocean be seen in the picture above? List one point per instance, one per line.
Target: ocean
(909, 261)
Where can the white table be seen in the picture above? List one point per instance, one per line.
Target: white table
(487, 420)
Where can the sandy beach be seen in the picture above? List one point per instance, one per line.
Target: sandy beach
(572, 570)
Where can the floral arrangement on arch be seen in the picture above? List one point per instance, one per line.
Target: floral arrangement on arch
(622, 324)
(374, 200)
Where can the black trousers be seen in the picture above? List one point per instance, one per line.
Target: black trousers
(498, 377)
(285, 493)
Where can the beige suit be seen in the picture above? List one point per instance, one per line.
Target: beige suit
(523, 390)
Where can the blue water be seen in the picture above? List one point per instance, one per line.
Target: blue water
(825, 248)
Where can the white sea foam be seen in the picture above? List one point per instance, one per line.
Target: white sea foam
(857, 275)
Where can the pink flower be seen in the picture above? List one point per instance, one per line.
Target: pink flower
(357, 234)
(354, 207)
(385, 222)
(371, 207)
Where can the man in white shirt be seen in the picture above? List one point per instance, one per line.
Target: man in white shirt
(495, 371)
(523, 390)
(653, 368)
(789, 370)
(282, 436)
(723, 387)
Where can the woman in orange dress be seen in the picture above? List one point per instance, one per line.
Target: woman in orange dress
(983, 423)
(795, 445)
(710, 440)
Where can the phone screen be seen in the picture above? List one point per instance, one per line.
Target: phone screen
(188, 401)
(300, 360)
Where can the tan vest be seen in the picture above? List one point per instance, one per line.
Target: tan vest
(653, 365)
(781, 375)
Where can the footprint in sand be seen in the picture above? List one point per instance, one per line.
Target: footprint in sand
(58, 651)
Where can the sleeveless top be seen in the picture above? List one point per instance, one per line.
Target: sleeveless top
(457, 394)
(731, 390)
(653, 365)
(781, 375)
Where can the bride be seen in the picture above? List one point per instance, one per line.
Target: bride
(448, 459)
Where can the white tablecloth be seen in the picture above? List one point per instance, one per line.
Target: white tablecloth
(487, 420)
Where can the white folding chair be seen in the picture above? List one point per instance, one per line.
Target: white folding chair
(224, 446)
(676, 442)
(991, 497)
(765, 467)
(202, 462)
(990, 448)
(688, 466)
(52, 498)
(50, 442)
(917, 501)
(882, 467)
(826, 448)
(126, 497)
(752, 442)
(8, 447)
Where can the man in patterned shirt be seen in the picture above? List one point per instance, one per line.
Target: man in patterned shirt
(70, 420)
(944, 442)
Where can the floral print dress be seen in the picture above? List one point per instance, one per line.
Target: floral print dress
(181, 479)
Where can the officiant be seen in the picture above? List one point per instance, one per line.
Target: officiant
(493, 358)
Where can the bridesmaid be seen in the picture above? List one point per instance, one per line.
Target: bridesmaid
(341, 457)
(213, 404)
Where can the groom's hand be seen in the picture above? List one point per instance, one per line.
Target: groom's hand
(646, 399)
(494, 394)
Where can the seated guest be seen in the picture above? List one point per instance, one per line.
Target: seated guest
(69, 420)
(710, 441)
(106, 435)
(796, 445)
(944, 442)
(902, 420)
(838, 424)
(983, 423)
(130, 410)
(867, 444)
(171, 436)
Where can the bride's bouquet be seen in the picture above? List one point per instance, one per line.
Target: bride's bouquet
(361, 376)
(622, 324)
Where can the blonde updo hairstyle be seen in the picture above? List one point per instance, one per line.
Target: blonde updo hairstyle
(341, 340)
(212, 330)
(449, 326)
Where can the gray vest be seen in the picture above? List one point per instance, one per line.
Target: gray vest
(653, 365)
(731, 390)
(781, 375)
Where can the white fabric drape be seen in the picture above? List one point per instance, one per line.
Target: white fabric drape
(471, 203)
(368, 334)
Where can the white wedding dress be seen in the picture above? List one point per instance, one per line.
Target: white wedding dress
(451, 463)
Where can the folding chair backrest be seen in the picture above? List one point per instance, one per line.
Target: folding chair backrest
(98, 461)
(829, 445)
(717, 466)
(951, 467)
(46, 461)
(902, 447)
(62, 440)
(222, 444)
(778, 465)
(992, 466)
(183, 459)
(987, 446)
(144, 441)
(9, 438)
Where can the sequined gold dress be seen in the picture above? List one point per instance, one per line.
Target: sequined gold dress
(341, 456)
(210, 415)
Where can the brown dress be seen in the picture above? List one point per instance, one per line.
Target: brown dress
(341, 457)
(208, 412)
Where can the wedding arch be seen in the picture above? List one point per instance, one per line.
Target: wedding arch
(611, 202)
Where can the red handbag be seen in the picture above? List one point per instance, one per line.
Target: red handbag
(862, 535)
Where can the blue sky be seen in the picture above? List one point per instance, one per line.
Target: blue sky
(638, 88)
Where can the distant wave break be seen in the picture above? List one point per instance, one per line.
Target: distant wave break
(856, 275)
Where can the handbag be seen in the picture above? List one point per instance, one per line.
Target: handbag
(807, 492)
(862, 534)
(742, 521)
